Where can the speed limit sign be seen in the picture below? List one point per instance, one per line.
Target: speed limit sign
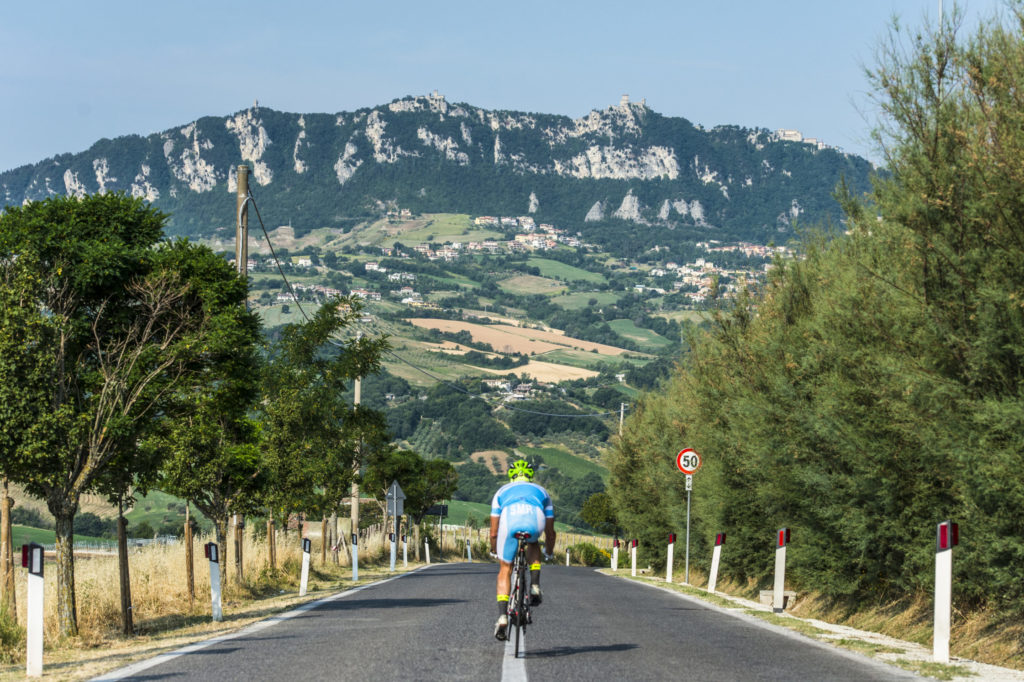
(688, 461)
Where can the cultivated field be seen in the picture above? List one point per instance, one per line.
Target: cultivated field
(495, 460)
(560, 270)
(531, 284)
(547, 371)
(437, 228)
(581, 299)
(508, 339)
(566, 462)
(640, 336)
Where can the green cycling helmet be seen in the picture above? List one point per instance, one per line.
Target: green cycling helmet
(520, 470)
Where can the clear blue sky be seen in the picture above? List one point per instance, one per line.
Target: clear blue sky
(74, 72)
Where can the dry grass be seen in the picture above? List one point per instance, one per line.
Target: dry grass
(511, 339)
(164, 620)
(547, 371)
(980, 635)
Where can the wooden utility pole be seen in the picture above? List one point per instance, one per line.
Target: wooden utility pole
(271, 542)
(241, 260)
(324, 539)
(127, 622)
(242, 225)
(7, 596)
(190, 576)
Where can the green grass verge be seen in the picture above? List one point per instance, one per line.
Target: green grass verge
(939, 671)
(568, 273)
(871, 648)
(800, 626)
(566, 462)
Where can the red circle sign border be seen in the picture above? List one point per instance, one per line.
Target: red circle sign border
(680, 466)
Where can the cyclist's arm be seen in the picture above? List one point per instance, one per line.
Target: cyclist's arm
(494, 534)
(549, 535)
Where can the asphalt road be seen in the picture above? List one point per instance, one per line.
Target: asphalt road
(437, 623)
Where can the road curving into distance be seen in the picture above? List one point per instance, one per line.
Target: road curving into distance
(436, 624)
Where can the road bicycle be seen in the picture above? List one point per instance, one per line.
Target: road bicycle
(519, 615)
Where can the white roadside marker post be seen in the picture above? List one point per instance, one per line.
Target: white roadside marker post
(211, 550)
(469, 549)
(715, 557)
(947, 537)
(32, 559)
(615, 555)
(566, 556)
(779, 598)
(355, 557)
(307, 546)
(396, 508)
(405, 552)
(671, 553)
(426, 546)
(632, 549)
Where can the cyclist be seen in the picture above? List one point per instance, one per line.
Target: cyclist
(519, 506)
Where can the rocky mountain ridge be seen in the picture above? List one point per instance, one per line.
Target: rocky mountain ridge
(624, 163)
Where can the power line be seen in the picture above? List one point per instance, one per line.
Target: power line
(456, 387)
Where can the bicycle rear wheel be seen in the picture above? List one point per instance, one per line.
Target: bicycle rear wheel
(520, 600)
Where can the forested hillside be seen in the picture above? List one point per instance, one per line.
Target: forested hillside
(874, 388)
(622, 171)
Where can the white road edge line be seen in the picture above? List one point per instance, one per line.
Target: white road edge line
(891, 670)
(514, 669)
(135, 668)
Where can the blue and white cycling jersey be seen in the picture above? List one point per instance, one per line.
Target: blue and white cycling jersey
(522, 507)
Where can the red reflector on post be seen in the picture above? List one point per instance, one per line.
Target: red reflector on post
(24, 556)
(206, 551)
(720, 539)
(635, 542)
(671, 538)
(783, 537)
(947, 536)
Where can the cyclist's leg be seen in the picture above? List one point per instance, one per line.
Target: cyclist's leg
(533, 555)
(504, 584)
(506, 546)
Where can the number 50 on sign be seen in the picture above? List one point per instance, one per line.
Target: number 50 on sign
(688, 461)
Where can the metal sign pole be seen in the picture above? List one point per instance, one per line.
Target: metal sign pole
(689, 487)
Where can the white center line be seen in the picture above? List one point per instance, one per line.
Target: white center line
(513, 669)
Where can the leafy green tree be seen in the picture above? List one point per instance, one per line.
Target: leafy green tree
(209, 441)
(598, 512)
(314, 438)
(114, 333)
(873, 386)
